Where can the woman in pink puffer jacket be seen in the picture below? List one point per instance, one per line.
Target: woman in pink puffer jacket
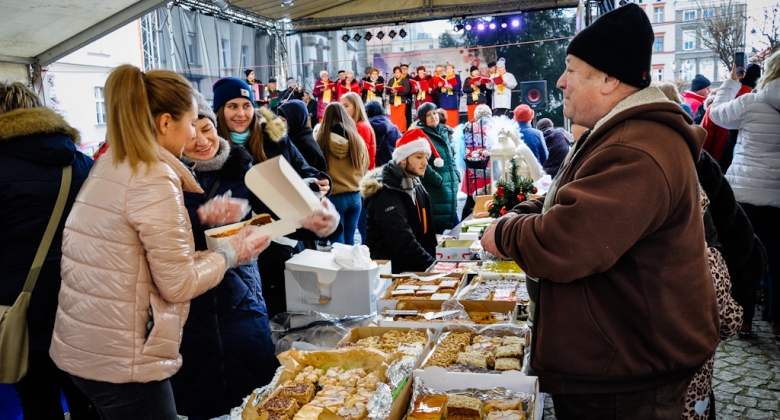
(129, 265)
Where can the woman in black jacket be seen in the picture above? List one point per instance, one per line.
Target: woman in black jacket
(294, 113)
(35, 144)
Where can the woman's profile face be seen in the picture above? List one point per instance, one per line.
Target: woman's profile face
(348, 106)
(238, 113)
(177, 133)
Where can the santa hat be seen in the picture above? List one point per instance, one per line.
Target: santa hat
(414, 141)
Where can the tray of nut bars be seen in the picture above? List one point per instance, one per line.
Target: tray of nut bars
(437, 315)
(420, 287)
(411, 342)
(441, 395)
(491, 349)
(342, 384)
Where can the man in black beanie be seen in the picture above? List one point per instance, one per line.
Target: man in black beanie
(625, 311)
(700, 88)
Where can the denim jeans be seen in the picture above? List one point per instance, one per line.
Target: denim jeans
(130, 401)
(766, 225)
(348, 206)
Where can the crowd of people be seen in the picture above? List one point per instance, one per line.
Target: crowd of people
(648, 249)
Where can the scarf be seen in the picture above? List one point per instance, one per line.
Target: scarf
(214, 164)
(240, 138)
(447, 77)
(500, 88)
(396, 98)
(475, 93)
(408, 185)
(326, 94)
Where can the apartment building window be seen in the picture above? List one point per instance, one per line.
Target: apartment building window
(707, 13)
(689, 40)
(658, 72)
(689, 15)
(226, 62)
(100, 106)
(658, 14)
(658, 45)
(192, 47)
(728, 11)
(245, 56)
(688, 70)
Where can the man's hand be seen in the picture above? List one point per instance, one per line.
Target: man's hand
(489, 240)
(734, 75)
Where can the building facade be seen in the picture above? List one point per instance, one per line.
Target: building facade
(692, 55)
(661, 14)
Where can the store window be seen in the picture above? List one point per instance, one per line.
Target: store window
(100, 106)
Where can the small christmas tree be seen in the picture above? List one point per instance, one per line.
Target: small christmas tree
(511, 193)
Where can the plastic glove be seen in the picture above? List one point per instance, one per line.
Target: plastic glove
(239, 251)
(323, 221)
(223, 210)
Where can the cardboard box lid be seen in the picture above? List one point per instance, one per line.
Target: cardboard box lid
(279, 187)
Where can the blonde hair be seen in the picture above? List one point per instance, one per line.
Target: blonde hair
(772, 71)
(357, 103)
(671, 92)
(133, 101)
(336, 114)
(17, 96)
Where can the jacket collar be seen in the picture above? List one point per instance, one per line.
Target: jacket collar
(273, 126)
(31, 121)
(692, 95)
(390, 175)
(188, 182)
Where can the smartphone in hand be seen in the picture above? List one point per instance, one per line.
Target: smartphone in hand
(740, 61)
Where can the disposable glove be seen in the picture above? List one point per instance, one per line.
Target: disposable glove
(323, 221)
(223, 209)
(238, 250)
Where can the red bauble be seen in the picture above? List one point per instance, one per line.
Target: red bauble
(520, 197)
(536, 190)
(503, 212)
(500, 191)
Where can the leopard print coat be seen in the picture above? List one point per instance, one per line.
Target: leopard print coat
(697, 404)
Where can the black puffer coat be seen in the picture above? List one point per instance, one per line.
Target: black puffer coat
(398, 229)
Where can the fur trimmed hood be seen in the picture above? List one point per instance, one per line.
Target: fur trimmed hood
(273, 125)
(35, 121)
(371, 182)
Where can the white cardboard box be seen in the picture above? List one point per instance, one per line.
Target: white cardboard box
(314, 282)
(439, 379)
(455, 250)
(279, 187)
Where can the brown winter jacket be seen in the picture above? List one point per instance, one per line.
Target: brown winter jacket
(128, 246)
(625, 297)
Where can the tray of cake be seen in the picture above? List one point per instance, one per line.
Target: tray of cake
(437, 315)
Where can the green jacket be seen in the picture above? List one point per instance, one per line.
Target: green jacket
(442, 183)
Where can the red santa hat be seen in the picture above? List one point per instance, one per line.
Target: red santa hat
(414, 141)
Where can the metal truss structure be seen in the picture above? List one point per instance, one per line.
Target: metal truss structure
(150, 40)
(426, 13)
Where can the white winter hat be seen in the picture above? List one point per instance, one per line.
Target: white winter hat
(414, 141)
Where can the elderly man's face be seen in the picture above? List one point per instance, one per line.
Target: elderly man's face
(581, 92)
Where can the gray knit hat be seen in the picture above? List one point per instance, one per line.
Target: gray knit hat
(204, 109)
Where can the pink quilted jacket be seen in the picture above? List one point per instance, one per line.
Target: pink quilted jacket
(128, 246)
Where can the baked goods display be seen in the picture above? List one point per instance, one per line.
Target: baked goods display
(393, 341)
(471, 352)
(416, 288)
(476, 317)
(508, 290)
(341, 381)
(465, 407)
(456, 267)
(259, 220)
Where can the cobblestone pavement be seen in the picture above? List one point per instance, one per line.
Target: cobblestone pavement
(746, 379)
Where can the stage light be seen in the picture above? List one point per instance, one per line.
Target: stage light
(221, 4)
(468, 26)
(369, 36)
(380, 35)
(357, 37)
(458, 27)
(492, 25)
(503, 24)
(480, 26)
(402, 33)
(392, 33)
(345, 37)
(515, 23)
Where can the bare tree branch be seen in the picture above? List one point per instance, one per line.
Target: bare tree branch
(724, 31)
(769, 28)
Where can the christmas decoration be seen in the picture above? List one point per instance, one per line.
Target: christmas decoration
(510, 193)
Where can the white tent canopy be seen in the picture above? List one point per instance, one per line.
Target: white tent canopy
(39, 32)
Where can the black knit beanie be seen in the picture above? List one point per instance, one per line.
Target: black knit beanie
(620, 43)
(423, 110)
(247, 71)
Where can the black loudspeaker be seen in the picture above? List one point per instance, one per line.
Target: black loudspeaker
(534, 94)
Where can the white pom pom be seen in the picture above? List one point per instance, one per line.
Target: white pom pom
(438, 162)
